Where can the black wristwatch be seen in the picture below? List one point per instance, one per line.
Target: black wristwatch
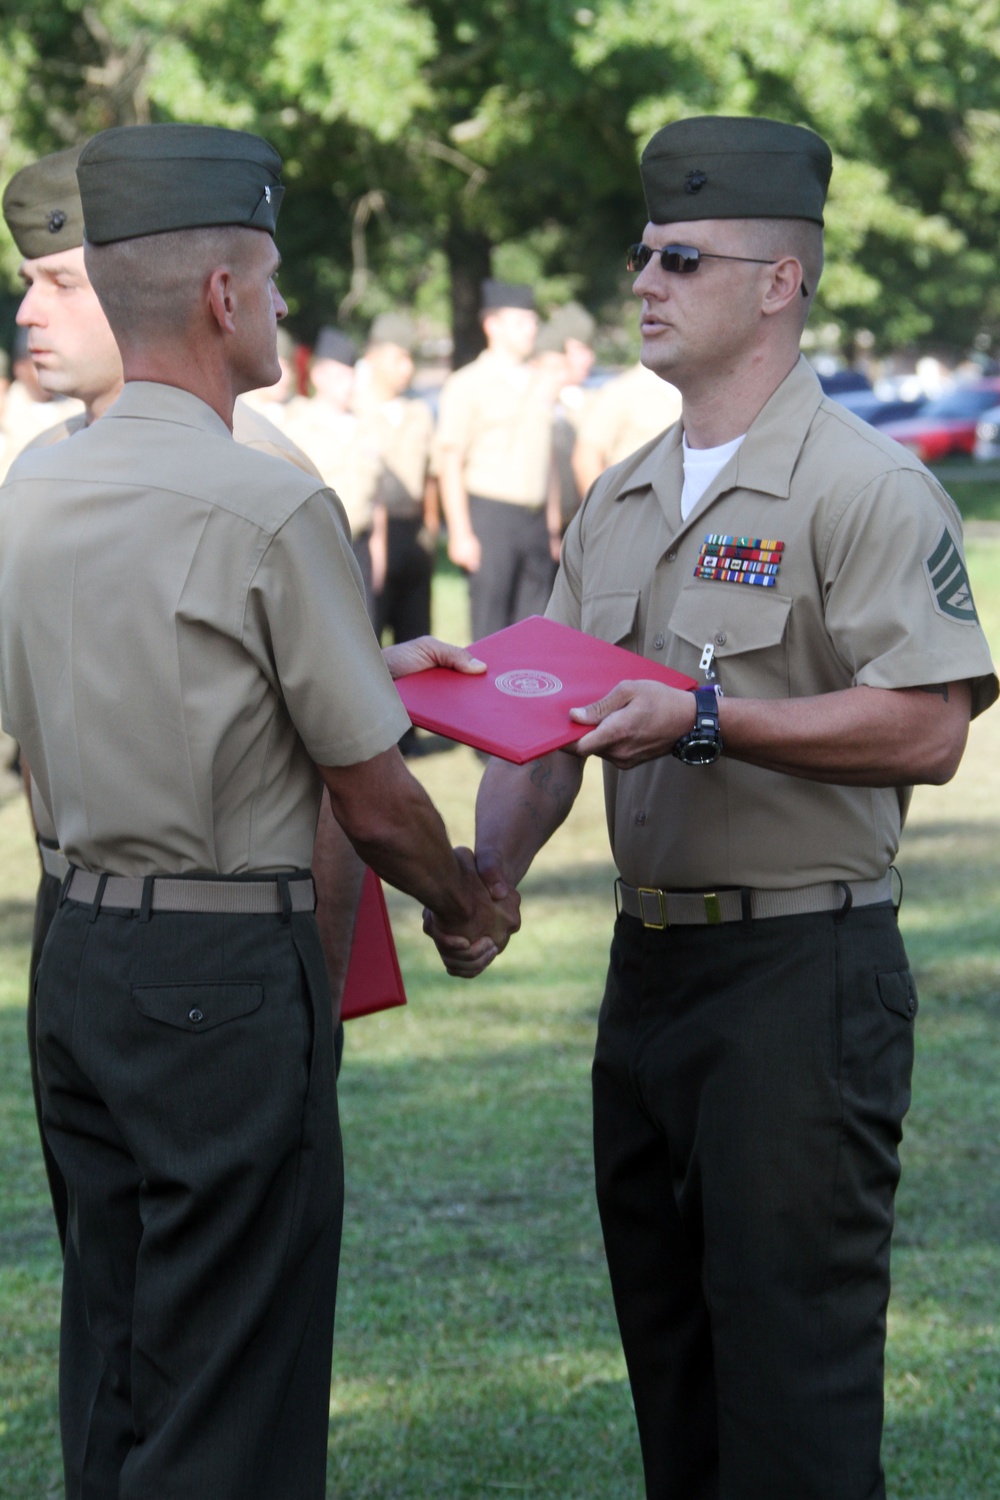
(702, 744)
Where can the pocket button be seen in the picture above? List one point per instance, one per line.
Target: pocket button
(196, 1015)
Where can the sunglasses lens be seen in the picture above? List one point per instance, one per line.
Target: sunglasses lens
(683, 258)
(638, 257)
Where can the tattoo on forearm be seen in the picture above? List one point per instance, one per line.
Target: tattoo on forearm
(544, 777)
(939, 689)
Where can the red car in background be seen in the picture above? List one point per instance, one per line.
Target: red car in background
(946, 425)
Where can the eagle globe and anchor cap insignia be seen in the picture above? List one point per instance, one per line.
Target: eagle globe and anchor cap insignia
(949, 582)
(528, 682)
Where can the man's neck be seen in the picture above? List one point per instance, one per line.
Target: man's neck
(192, 370)
(721, 408)
(96, 406)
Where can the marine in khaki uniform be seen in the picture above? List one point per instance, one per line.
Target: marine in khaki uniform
(62, 320)
(185, 655)
(400, 430)
(326, 428)
(567, 341)
(619, 418)
(755, 1041)
(494, 462)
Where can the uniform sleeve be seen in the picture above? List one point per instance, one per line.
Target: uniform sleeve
(306, 621)
(456, 414)
(899, 606)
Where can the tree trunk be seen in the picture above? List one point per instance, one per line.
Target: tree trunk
(468, 253)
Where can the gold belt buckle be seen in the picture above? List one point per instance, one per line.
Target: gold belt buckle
(649, 890)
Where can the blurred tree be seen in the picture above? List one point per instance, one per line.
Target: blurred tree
(470, 136)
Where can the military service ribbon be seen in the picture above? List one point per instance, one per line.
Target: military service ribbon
(740, 559)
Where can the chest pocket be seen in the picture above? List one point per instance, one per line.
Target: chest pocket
(612, 617)
(748, 630)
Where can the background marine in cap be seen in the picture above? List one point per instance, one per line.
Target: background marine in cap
(325, 426)
(755, 1041)
(399, 430)
(185, 655)
(494, 462)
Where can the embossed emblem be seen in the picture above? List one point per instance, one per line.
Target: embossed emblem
(528, 682)
(695, 181)
(56, 220)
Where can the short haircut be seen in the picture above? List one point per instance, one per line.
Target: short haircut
(152, 284)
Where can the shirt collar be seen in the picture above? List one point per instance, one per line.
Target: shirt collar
(166, 403)
(764, 462)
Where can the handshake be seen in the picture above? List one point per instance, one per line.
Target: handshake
(468, 948)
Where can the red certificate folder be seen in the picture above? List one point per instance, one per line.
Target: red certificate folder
(536, 672)
(373, 981)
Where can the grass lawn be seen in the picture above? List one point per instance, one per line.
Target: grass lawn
(974, 487)
(477, 1353)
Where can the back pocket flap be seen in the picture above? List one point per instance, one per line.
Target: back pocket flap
(898, 992)
(196, 1007)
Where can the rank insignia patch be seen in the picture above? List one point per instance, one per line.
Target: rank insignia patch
(949, 581)
(739, 559)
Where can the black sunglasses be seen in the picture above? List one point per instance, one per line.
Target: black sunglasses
(685, 259)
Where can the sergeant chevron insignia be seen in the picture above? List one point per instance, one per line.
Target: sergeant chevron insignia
(949, 582)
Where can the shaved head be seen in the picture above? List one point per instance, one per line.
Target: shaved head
(152, 285)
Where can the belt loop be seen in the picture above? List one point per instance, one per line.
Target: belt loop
(895, 904)
(839, 915)
(95, 905)
(746, 904)
(146, 904)
(286, 898)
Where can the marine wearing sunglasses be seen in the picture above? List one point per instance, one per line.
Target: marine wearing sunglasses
(686, 259)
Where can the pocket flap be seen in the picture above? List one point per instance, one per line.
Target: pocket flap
(734, 619)
(196, 1007)
(611, 617)
(898, 992)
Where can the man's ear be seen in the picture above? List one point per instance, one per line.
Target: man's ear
(784, 284)
(221, 298)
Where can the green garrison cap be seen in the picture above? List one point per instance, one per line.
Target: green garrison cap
(394, 328)
(42, 205)
(494, 295)
(714, 167)
(148, 179)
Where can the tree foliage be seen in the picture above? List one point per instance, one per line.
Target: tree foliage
(429, 142)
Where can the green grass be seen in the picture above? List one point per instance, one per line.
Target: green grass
(476, 1352)
(974, 487)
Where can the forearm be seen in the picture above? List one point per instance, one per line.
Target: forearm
(396, 829)
(454, 498)
(338, 873)
(860, 736)
(518, 808)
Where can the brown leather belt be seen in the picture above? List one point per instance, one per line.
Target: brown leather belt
(169, 893)
(658, 909)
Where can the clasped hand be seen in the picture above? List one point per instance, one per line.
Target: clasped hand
(497, 915)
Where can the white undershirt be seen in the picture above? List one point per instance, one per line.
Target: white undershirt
(700, 467)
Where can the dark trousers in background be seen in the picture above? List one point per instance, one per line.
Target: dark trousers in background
(46, 905)
(404, 605)
(188, 1095)
(516, 573)
(750, 1082)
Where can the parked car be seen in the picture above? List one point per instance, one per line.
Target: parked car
(947, 425)
(873, 409)
(988, 435)
(838, 382)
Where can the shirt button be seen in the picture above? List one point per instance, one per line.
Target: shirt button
(720, 639)
(640, 818)
(658, 643)
(196, 1015)
(671, 557)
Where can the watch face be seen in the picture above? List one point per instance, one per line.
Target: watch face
(700, 752)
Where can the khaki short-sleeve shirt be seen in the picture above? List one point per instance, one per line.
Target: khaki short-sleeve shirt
(400, 432)
(338, 447)
(628, 412)
(498, 416)
(870, 589)
(182, 639)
